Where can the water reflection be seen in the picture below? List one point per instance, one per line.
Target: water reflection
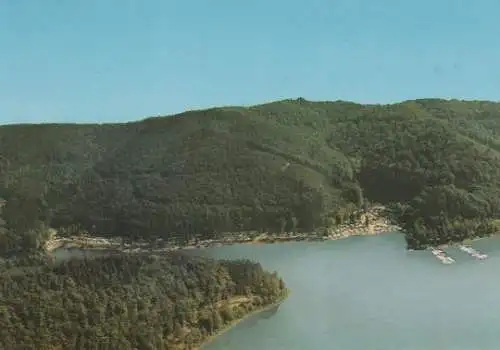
(251, 322)
(267, 314)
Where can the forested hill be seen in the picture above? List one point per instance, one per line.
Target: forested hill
(131, 301)
(281, 166)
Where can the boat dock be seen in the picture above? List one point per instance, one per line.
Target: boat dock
(472, 252)
(441, 255)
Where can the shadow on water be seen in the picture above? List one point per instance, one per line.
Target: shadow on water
(269, 313)
(248, 323)
(263, 315)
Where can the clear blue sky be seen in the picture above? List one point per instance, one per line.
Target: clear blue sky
(120, 60)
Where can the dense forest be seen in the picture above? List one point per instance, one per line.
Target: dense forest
(129, 301)
(291, 165)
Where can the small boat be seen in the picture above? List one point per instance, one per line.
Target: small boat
(472, 252)
(441, 255)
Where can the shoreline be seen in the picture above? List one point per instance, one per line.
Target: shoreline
(467, 241)
(378, 224)
(90, 242)
(236, 322)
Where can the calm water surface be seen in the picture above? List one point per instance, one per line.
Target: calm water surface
(369, 293)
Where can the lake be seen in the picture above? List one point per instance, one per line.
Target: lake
(370, 293)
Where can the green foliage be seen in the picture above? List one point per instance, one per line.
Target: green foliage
(288, 165)
(128, 302)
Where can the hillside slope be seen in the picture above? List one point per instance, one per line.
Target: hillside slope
(282, 166)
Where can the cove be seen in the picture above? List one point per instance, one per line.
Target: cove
(370, 293)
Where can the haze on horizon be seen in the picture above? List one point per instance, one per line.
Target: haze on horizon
(115, 61)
